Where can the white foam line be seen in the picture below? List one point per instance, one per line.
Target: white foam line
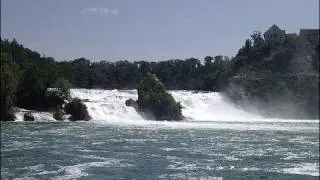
(311, 169)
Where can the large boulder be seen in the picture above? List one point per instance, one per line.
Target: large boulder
(78, 110)
(132, 103)
(155, 103)
(28, 116)
(58, 115)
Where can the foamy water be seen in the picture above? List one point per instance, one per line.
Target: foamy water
(48, 150)
(110, 105)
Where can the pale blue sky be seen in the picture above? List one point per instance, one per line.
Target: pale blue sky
(147, 29)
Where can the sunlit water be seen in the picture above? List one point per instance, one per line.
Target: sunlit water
(216, 140)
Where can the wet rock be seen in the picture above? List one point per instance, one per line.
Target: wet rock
(78, 110)
(28, 116)
(58, 115)
(132, 103)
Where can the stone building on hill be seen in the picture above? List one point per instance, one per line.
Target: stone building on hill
(311, 35)
(274, 34)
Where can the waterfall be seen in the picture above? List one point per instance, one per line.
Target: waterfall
(110, 105)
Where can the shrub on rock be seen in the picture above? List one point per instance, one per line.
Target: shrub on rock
(155, 103)
(78, 110)
(28, 116)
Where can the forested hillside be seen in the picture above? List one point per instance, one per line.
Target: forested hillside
(277, 79)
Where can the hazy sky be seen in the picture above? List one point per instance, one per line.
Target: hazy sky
(147, 29)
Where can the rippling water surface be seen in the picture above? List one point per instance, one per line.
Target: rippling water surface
(160, 150)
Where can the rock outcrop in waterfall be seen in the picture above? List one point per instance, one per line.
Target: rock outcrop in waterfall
(154, 102)
(78, 110)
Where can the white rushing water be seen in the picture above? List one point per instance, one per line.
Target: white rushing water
(200, 109)
(197, 106)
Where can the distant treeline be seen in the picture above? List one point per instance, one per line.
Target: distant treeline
(186, 74)
(189, 74)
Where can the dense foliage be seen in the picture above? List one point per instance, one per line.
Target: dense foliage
(25, 79)
(190, 74)
(9, 81)
(155, 103)
(38, 73)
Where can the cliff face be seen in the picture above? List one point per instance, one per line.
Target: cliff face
(282, 83)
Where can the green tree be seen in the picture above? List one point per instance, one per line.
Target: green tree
(63, 88)
(247, 45)
(281, 60)
(58, 94)
(257, 39)
(208, 60)
(9, 82)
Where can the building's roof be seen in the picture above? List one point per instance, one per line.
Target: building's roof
(308, 31)
(291, 35)
(274, 28)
